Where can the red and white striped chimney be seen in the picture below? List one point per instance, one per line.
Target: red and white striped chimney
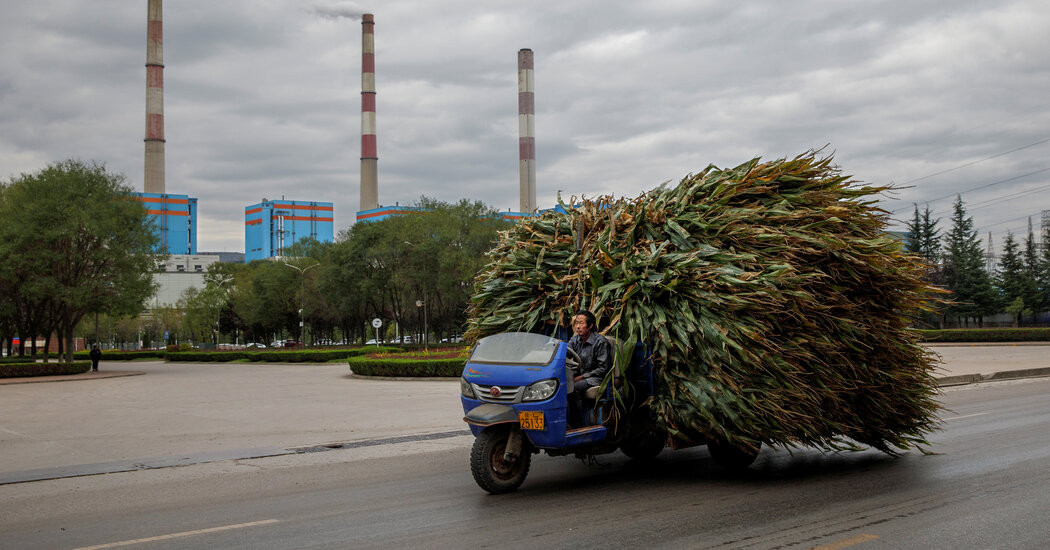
(527, 131)
(153, 180)
(369, 152)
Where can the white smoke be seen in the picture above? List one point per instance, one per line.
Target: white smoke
(335, 9)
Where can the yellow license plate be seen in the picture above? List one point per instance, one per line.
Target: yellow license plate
(531, 420)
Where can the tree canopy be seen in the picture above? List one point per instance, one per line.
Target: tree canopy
(74, 243)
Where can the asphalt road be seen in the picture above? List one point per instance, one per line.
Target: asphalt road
(986, 488)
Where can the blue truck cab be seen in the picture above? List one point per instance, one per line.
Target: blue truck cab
(514, 391)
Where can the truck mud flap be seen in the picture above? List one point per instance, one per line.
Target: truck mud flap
(490, 414)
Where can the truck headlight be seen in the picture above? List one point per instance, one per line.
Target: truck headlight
(466, 389)
(541, 390)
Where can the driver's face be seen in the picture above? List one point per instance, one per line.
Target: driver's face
(579, 326)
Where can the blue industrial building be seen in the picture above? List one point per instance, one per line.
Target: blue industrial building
(272, 226)
(174, 220)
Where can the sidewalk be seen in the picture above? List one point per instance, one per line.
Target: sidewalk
(970, 363)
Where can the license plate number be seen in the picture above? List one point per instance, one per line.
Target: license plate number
(531, 420)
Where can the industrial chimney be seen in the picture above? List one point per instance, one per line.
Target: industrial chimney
(527, 131)
(369, 153)
(153, 180)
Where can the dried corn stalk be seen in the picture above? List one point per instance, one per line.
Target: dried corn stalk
(776, 306)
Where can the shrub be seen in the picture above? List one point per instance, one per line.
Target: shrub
(117, 355)
(412, 368)
(979, 335)
(18, 370)
(274, 356)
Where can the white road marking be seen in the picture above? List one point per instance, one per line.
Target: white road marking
(177, 535)
(964, 416)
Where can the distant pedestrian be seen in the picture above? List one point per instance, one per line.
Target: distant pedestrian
(96, 355)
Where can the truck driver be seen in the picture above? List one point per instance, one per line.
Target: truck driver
(595, 361)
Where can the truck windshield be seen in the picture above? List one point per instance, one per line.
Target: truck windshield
(515, 348)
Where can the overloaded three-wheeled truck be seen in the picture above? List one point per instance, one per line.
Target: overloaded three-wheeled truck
(515, 395)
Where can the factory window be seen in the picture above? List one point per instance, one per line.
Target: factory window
(182, 268)
(198, 268)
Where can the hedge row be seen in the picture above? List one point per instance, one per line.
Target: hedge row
(409, 368)
(116, 355)
(980, 335)
(290, 356)
(19, 370)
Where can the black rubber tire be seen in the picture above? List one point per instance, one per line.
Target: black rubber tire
(644, 447)
(730, 457)
(486, 462)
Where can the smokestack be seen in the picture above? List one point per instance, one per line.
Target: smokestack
(153, 180)
(527, 131)
(369, 153)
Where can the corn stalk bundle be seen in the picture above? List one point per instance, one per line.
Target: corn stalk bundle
(775, 304)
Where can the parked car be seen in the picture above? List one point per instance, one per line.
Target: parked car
(277, 344)
(255, 345)
(292, 344)
(373, 342)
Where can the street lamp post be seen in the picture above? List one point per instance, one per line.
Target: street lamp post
(423, 302)
(218, 312)
(302, 292)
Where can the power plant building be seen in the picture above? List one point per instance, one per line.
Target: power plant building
(174, 219)
(272, 226)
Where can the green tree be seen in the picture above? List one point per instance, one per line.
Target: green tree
(266, 298)
(1012, 279)
(924, 237)
(1033, 298)
(1043, 273)
(384, 268)
(965, 274)
(78, 244)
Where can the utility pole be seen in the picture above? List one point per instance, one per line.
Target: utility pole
(302, 292)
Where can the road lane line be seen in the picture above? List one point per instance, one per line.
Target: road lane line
(845, 543)
(177, 535)
(963, 416)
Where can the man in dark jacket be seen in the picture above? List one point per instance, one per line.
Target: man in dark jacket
(595, 361)
(96, 355)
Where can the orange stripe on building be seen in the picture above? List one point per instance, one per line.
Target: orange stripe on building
(302, 207)
(301, 218)
(252, 222)
(253, 211)
(167, 213)
(164, 201)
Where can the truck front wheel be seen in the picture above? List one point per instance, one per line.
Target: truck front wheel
(493, 471)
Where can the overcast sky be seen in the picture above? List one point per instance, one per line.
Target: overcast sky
(262, 97)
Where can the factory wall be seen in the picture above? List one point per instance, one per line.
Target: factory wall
(174, 219)
(272, 226)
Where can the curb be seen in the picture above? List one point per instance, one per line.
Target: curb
(964, 379)
(980, 344)
(71, 377)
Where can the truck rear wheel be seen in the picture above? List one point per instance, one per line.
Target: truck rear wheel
(644, 446)
(730, 456)
(491, 472)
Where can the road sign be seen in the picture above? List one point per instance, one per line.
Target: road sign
(377, 322)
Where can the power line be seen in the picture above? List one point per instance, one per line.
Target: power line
(977, 161)
(996, 200)
(979, 187)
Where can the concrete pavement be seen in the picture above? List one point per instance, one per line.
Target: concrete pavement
(143, 415)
